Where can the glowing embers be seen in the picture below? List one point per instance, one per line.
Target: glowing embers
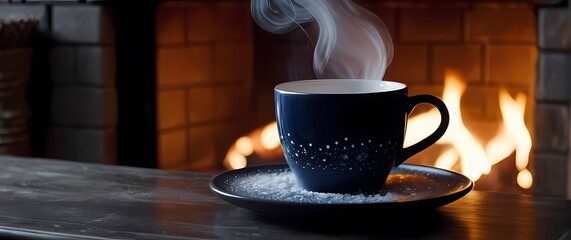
(475, 158)
(263, 143)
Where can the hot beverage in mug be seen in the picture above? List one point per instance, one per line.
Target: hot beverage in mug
(345, 135)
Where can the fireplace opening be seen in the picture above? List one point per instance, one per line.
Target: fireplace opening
(483, 70)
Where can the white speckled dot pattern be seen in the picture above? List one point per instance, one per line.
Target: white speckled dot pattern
(343, 154)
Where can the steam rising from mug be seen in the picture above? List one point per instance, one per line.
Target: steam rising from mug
(353, 42)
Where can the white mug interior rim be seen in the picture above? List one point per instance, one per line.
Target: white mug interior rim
(338, 86)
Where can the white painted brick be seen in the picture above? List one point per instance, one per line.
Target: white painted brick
(96, 66)
(81, 144)
(83, 24)
(84, 106)
(63, 65)
(553, 74)
(554, 31)
(551, 127)
(550, 175)
(33, 11)
(85, 65)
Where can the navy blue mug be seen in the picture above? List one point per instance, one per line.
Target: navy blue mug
(345, 135)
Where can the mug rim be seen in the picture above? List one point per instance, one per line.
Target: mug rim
(340, 86)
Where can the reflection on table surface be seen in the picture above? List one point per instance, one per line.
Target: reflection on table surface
(59, 199)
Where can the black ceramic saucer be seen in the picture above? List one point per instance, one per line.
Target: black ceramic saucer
(408, 188)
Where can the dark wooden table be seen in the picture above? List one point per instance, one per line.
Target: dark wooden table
(47, 199)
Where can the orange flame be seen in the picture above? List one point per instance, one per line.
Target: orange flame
(472, 156)
(513, 115)
(476, 160)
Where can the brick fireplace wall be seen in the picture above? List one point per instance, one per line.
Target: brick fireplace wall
(204, 77)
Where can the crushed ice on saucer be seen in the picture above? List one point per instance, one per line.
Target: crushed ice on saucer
(282, 186)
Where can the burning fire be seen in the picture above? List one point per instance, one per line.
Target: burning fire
(475, 159)
(472, 155)
(264, 141)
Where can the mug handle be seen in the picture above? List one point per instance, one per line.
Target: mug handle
(436, 135)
